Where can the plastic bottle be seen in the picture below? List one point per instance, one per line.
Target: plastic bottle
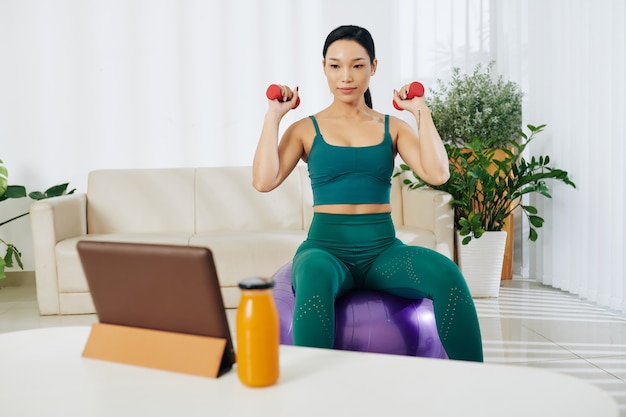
(258, 334)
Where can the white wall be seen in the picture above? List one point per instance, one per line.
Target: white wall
(88, 84)
(107, 84)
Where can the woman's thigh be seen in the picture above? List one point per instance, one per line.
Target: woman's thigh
(413, 272)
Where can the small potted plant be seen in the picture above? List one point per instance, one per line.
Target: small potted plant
(12, 256)
(477, 105)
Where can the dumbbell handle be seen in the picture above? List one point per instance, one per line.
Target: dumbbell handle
(416, 89)
(273, 93)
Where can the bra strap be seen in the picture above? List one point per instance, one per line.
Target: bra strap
(317, 128)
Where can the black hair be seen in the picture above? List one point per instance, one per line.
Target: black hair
(359, 35)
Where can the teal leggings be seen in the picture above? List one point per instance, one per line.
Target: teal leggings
(344, 252)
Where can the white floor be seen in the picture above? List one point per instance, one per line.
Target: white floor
(528, 325)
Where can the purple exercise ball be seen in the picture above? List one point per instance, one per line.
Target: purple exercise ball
(369, 321)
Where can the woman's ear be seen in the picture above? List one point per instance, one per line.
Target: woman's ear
(374, 66)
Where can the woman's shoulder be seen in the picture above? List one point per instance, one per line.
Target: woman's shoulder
(399, 127)
(396, 120)
(301, 128)
(304, 123)
(397, 123)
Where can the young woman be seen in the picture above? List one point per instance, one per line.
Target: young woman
(350, 149)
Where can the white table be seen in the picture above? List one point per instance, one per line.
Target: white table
(42, 373)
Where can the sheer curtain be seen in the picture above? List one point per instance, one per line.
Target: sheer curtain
(569, 55)
(576, 78)
(89, 84)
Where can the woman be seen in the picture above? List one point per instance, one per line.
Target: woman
(350, 150)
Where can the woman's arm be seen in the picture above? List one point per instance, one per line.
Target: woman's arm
(274, 161)
(423, 151)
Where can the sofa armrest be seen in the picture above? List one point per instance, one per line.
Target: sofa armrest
(53, 220)
(430, 209)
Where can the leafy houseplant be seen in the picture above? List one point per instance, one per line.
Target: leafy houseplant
(477, 105)
(12, 254)
(486, 184)
(479, 118)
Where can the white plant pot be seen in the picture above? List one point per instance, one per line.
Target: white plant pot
(481, 263)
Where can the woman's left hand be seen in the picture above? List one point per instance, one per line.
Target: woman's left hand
(412, 105)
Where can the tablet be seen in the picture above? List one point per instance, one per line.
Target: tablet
(161, 287)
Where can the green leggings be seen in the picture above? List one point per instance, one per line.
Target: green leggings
(344, 252)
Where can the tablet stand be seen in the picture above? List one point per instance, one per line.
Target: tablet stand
(169, 351)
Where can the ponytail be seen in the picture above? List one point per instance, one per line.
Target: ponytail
(368, 98)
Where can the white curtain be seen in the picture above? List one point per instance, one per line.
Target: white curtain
(576, 79)
(88, 84)
(92, 84)
(569, 57)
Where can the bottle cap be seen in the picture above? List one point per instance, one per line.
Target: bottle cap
(256, 283)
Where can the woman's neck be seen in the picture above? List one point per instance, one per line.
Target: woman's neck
(339, 109)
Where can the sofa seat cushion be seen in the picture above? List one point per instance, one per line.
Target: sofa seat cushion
(237, 255)
(70, 271)
(240, 255)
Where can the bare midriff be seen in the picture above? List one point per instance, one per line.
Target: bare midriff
(352, 208)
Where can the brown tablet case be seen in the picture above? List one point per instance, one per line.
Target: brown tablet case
(158, 306)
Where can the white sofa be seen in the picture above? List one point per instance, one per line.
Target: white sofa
(249, 233)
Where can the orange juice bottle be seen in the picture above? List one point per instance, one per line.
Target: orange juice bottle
(258, 333)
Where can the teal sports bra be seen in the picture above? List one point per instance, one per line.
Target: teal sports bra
(351, 175)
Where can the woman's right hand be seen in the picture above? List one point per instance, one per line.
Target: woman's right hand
(289, 101)
(273, 161)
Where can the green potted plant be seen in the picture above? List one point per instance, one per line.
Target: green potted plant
(12, 256)
(479, 105)
(486, 185)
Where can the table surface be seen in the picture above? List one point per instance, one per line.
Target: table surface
(42, 373)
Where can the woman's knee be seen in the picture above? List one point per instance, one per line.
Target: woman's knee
(447, 271)
(320, 269)
(430, 270)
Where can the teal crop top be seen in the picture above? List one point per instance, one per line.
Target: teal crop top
(351, 175)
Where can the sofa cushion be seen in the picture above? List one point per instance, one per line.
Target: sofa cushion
(226, 201)
(245, 254)
(141, 201)
(237, 255)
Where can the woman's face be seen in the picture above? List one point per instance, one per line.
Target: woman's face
(348, 69)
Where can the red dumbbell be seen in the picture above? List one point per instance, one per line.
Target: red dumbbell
(273, 93)
(416, 89)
